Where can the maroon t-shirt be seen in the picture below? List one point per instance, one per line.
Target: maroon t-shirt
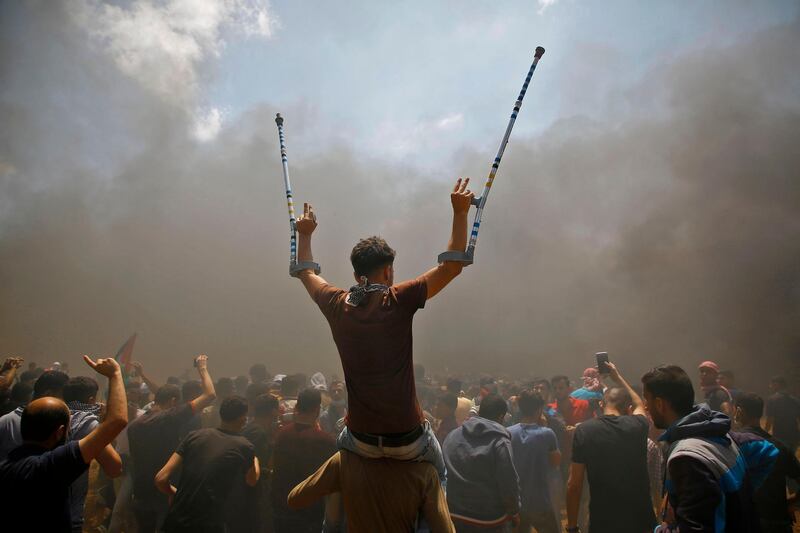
(375, 345)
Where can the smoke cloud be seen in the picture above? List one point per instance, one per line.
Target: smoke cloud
(669, 233)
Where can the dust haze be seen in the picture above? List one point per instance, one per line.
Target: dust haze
(670, 233)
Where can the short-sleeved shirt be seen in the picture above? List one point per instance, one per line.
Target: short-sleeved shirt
(614, 450)
(379, 494)
(784, 409)
(574, 411)
(214, 463)
(375, 345)
(34, 487)
(532, 445)
(153, 437)
(299, 450)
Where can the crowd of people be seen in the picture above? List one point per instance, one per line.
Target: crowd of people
(387, 448)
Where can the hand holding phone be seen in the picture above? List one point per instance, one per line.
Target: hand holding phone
(602, 362)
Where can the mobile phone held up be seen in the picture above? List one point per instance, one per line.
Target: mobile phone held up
(602, 362)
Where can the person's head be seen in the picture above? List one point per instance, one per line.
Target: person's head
(493, 407)
(777, 384)
(373, 259)
(254, 390)
(338, 394)
(542, 386)
(290, 385)
(561, 387)
(749, 408)
(167, 396)
(224, 388)
(50, 383)
(29, 377)
(81, 389)
(454, 386)
(487, 386)
(726, 379)
(44, 422)
(190, 390)
(21, 393)
(308, 404)
(173, 380)
(709, 370)
(530, 404)
(668, 394)
(446, 405)
(240, 384)
(258, 373)
(265, 408)
(233, 413)
(617, 401)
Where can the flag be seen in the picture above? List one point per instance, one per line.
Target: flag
(124, 354)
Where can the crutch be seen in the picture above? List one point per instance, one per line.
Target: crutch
(467, 257)
(294, 267)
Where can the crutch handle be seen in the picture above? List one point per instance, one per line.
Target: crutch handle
(455, 257)
(539, 52)
(476, 201)
(295, 269)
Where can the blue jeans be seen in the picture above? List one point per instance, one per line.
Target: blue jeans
(426, 448)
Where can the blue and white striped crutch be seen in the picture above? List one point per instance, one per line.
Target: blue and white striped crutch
(294, 267)
(467, 257)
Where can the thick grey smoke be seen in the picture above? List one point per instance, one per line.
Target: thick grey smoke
(671, 234)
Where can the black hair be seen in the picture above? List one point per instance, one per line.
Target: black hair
(39, 425)
(454, 385)
(172, 380)
(370, 254)
(618, 397)
(291, 384)
(449, 400)
(493, 407)
(80, 389)
(51, 381)
(264, 405)
(671, 383)
(751, 404)
(558, 379)
(21, 393)
(232, 408)
(224, 387)
(308, 400)
(29, 376)
(255, 390)
(258, 372)
(191, 390)
(167, 393)
(530, 402)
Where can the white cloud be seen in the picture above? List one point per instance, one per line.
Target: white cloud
(207, 124)
(399, 140)
(162, 44)
(544, 4)
(450, 122)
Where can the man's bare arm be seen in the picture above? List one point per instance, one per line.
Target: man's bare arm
(306, 225)
(110, 461)
(253, 473)
(116, 410)
(162, 477)
(574, 490)
(152, 385)
(209, 394)
(9, 372)
(438, 277)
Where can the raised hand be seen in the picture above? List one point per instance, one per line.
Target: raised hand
(201, 362)
(137, 366)
(461, 197)
(11, 362)
(106, 367)
(307, 222)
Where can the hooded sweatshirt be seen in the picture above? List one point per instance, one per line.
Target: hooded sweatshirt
(707, 482)
(482, 484)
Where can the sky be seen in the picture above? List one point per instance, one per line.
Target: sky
(647, 204)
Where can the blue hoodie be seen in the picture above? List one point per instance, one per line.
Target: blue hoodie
(710, 476)
(482, 484)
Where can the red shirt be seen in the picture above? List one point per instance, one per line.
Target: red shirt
(375, 345)
(574, 412)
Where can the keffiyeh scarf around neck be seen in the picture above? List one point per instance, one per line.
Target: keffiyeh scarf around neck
(360, 291)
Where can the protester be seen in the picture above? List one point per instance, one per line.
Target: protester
(258, 373)
(771, 502)
(153, 438)
(371, 326)
(300, 449)
(611, 450)
(783, 414)
(8, 372)
(211, 462)
(290, 387)
(705, 474)
(261, 431)
(35, 478)
(572, 410)
(482, 486)
(20, 395)
(224, 389)
(717, 397)
(378, 496)
(592, 389)
(536, 457)
(464, 403)
(445, 413)
(727, 380)
(336, 410)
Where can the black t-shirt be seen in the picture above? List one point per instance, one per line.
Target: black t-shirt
(261, 440)
(214, 463)
(34, 487)
(784, 409)
(153, 437)
(614, 450)
(771, 495)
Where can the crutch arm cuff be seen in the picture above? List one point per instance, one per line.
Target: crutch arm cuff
(456, 257)
(297, 268)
